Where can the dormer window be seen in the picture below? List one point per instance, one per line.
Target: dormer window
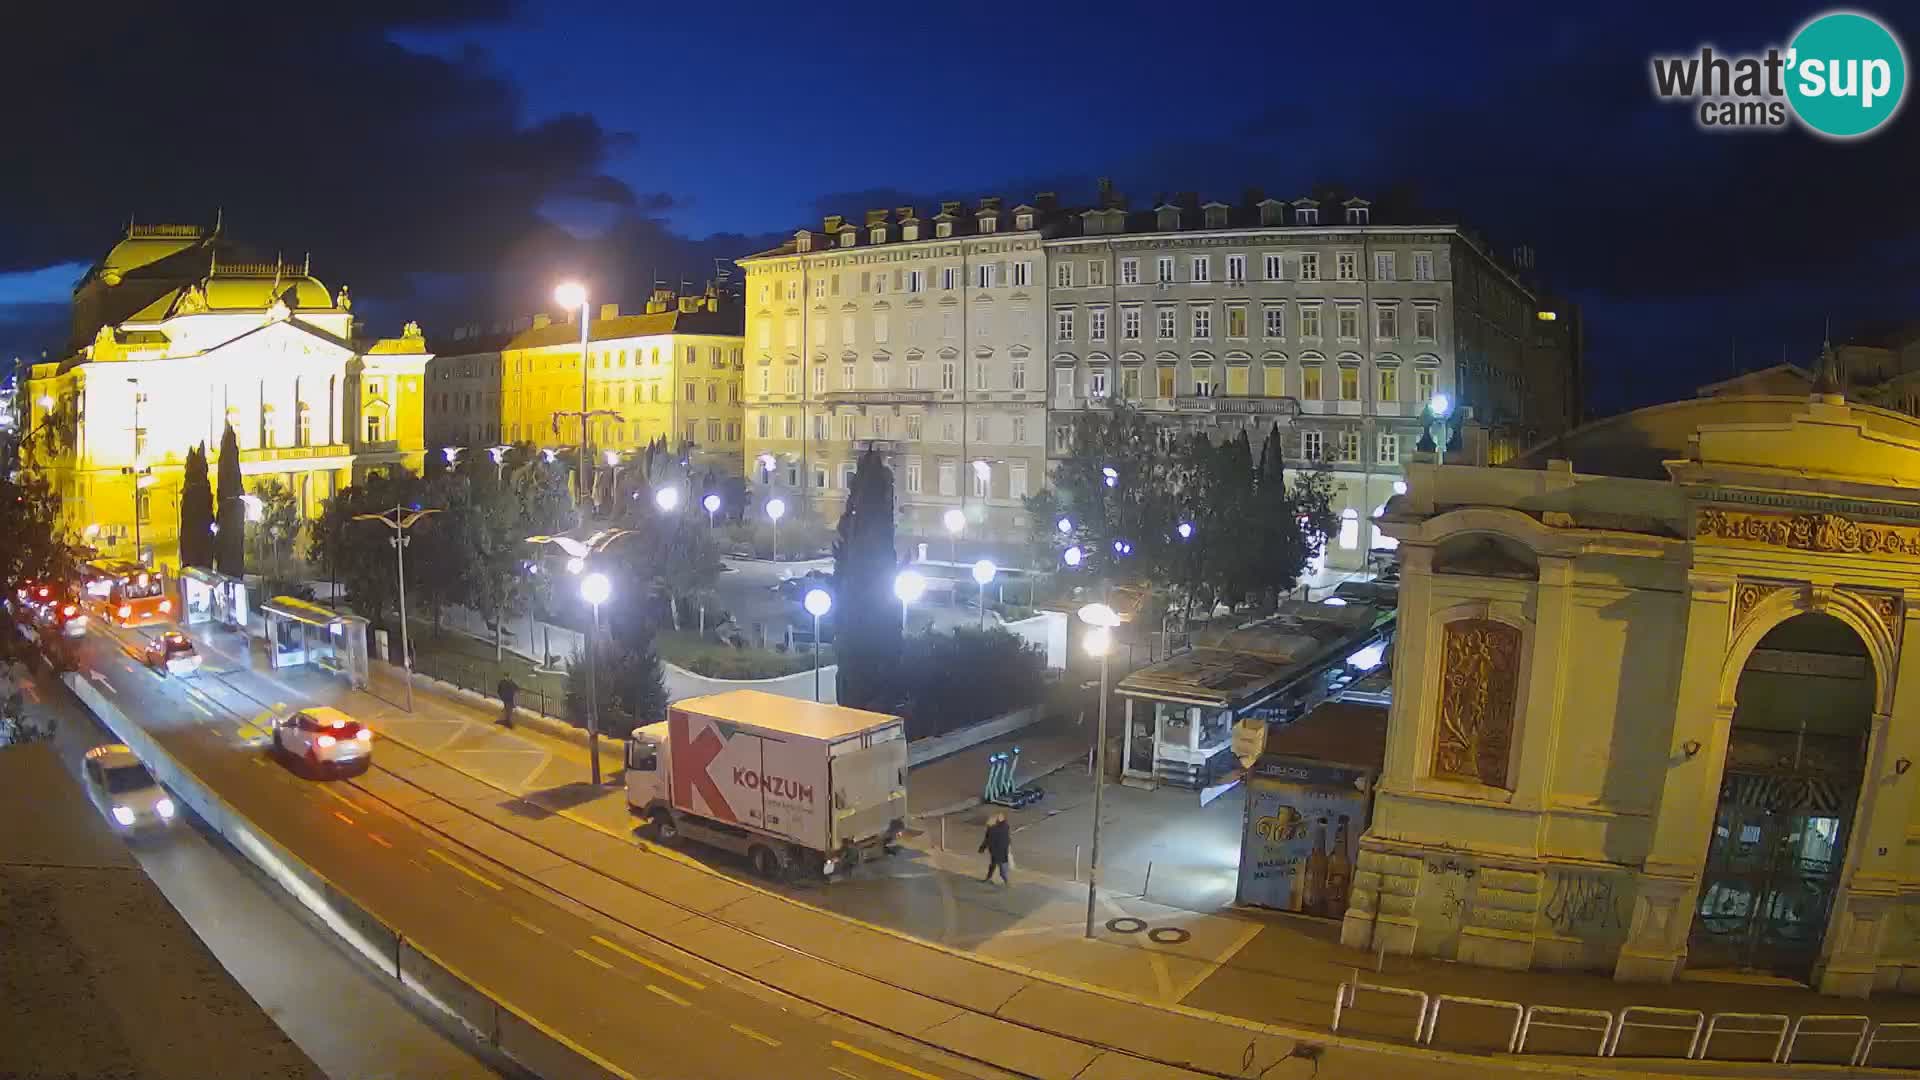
(1306, 215)
(879, 235)
(942, 229)
(1358, 215)
(1023, 222)
(1216, 216)
(803, 241)
(989, 223)
(1271, 213)
(909, 232)
(1169, 217)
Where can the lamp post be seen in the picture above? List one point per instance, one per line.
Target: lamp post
(668, 500)
(908, 585)
(983, 572)
(139, 470)
(499, 456)
(955, 521)
(572, 294)
(712, 504)
(594, 588)
(400, 519)
(818, 602)
(452, 454)
(1099, 642)
(776, 509)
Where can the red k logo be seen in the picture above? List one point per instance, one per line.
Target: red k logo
(691, 772)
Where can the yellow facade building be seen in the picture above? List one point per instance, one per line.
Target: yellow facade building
(175, 337)
(672, 371)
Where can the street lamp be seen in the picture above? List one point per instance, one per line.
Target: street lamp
(594, 588)
(1185, 529)
(399, 519)
(909, 586)
(712, 503)
(955, 521)
(668, 500)
(499, 456)
(1099, 642)
(983, 572)
(572, 294)
(452, 454)
(776, 509)
(1110, 475)
(1072, 556)
(818, 603)
(1065, 525)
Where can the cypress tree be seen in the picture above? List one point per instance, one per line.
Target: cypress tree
(230, 545)
(196, 511)
(866, 629)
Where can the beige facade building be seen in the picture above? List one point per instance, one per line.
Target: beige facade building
(1653, 705)
(922, 336)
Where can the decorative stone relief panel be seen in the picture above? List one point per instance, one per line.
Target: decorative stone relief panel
(1748, 596)
(1479, 677)
(1884, 605)
(1808, 532)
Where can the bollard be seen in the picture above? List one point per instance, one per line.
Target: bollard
(1144, 885)
(1076, 863)
(943, 834)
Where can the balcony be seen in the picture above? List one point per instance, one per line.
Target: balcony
(880, 397)
(294, 453)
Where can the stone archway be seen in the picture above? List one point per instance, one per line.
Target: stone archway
(1803, 706)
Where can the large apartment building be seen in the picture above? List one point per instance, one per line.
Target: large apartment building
(964, 346)
(924, 337)
(671, 371)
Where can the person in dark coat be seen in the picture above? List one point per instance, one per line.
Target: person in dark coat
(508, 690)
(998, 844)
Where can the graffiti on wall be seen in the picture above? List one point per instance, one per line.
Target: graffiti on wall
(1442, 903)
(1588, 903)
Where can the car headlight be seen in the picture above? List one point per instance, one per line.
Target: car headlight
(164, 808)
(123, 815)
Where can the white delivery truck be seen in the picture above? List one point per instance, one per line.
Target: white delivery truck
(795, 786)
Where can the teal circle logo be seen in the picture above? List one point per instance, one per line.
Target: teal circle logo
(1847, 74)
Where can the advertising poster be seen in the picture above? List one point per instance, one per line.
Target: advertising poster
(1302, 837)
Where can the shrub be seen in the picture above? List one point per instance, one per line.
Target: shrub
(952, 680)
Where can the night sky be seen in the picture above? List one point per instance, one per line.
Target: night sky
(450, 161)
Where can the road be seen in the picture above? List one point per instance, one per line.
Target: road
(353, 1022)
(648, 1014)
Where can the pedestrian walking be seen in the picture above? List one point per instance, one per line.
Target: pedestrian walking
(508, 690)
(998, 844)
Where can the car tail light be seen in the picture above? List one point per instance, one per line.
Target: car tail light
(366, 735)
(327, 740)
(126, 611)
(67, 611)
(166, 606)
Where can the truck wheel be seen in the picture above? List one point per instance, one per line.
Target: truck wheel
(766, 863)
(664, 828)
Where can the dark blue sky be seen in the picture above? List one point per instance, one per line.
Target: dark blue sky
(449, 160)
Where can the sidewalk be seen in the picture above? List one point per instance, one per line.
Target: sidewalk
(1269, 968)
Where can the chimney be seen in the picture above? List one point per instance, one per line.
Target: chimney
(1253, 196)
(609, 311)
(876, 217)
(1187, 200)
(689, 304)
(542, 320)
(831, 223)
(903, 213)
(1107, 198)
(1047, 201)
(990, 202)
(950, 208)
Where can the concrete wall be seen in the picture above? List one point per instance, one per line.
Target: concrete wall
(1047, 630)
(682, 683)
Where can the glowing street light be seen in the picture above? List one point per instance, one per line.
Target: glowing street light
(667, 499)
(551, 455)
(1441, 405)
(452, 454)
(1065, 525)
(712, 503)
(818, 603)
(956, 522)
(908, 586)
(1111, 474)
(983, 572)
(1072, 555)
(776, 509)
(1099, 642)
(1185, 530)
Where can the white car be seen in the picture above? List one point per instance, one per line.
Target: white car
(171, 653)
(323, 737)
(127, 793)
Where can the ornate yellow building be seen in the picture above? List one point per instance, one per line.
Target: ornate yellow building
(1653, 708)
(174, 339)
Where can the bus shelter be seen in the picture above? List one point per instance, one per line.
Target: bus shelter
(301, 632)
(210, 597)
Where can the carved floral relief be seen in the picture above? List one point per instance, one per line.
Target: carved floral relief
(1809, 532)
(1479, 676)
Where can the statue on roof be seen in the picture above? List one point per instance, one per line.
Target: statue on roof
(344, 301)
(411, 330)
(192, 301)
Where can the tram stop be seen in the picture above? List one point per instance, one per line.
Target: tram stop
(303, 633)
(209, 597)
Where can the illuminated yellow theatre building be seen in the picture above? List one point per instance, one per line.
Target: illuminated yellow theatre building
(177, 335)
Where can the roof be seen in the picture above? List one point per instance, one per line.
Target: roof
(1228, 668)
(729, 321)
(776, 712)
(114, 755)
(1638, 444)
(1337, 733)
(305, 611)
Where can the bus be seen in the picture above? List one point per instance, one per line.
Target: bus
(124, 593)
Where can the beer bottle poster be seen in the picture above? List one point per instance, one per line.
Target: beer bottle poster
(1301, 843)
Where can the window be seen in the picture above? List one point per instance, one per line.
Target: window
(1310, 321)
(1130, 324)
(847, 335)
(1063, 274)
(1310, 387)
(881, 327)
(846, 376)
(1164, 380)
(982, 373)
(820, 429)
(989, 224)
(982, 426)
(946, 375)
(763, 334)
(1310, 446)
(1423, 266)
(949, 325)
(1129, 271)
(949, 277)
(914, 420)
(881, 375)
(1165, 317)
(1346, 266)
(1273, 380)
(916, 281)
(1271, 266)
(1349, 322)
(1306, 215)
(1275, 317)
(1097, 324)
(1309, 266)
(763, 425)
(1202, 268)
(792, 338)
(376, 427)
(1019, 431)
(883, 427)
(820, 285)
(1426, 322)
(1063, 385)
(1063, 325)
(1237, 268)
(1022, 273)
(1349, 446)
(1386, 322)
(982, 479)
(1017, 374)
(692, 394)
(1202, 324)
(1130, 383)
(1383, 266)
(1017, 481)
(1097, 383)
(1063, 438)
(1236, 322)
(1358, 215)
(1389, 384)
(819, 378)
(713, 431)
(1349, 383)
(913, 375)
(1387, 449)
(1349, 529)
(787, 426)
(983, 276)
(1164, 269)
(1423, 386)
(1203, 382)
(793, 380)
(1096, 272)
(913, 476)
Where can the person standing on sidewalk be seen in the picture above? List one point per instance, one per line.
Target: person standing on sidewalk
(998, 844)
(508, 690)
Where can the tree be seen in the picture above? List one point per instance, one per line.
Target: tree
(866, 633)
(358, 551)
(629, 688)
(278, 523)
(196, 511)
(506, 506)
(229, 547)
(951, 680)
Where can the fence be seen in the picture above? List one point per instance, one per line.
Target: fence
(1775, 1038)
(543, 694)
